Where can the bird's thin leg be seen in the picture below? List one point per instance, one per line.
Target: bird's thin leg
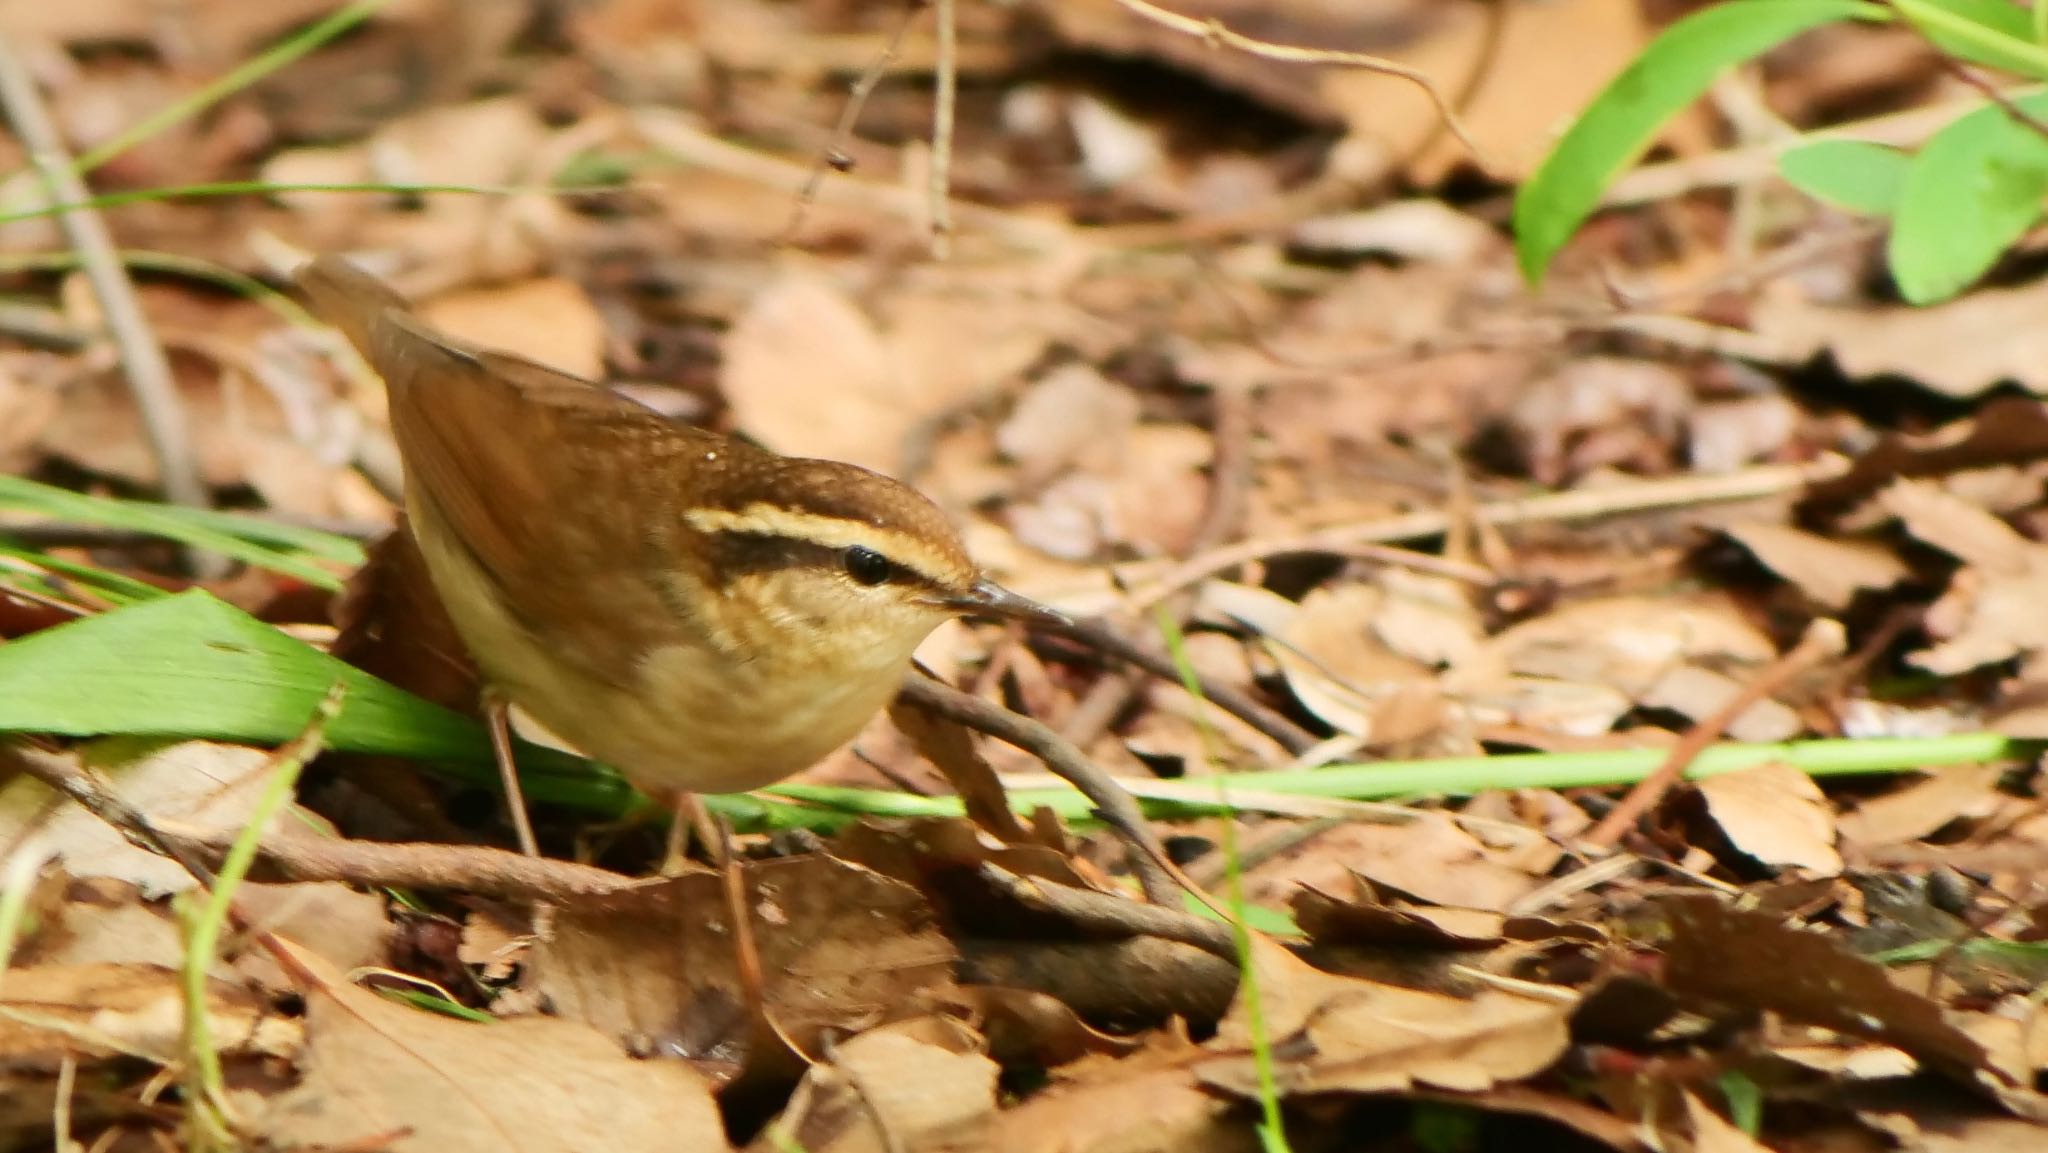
(498, 722)
(675, 858)
(717, 838)
(495, 719)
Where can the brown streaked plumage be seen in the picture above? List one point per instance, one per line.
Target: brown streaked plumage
(697, 612)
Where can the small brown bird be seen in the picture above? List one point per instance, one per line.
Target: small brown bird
(699, 613)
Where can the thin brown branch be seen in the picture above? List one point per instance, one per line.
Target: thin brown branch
(1642, 497)
(1109, 642)
(485, 871)
(835, 157)
(64, 775)
(946, 85)
(1213, 31)
(1060, 756)
(1736, 166)
(69, 778)
(1111, 915)
(503, 874)
(1229, 487)
(1823, 640)
(1137, 978)
(147, 370)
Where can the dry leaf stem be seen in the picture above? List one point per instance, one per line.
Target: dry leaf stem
(1591, 504)
(1213, 31)
(1823, 639)
(1117, 806)
(65, 776)
(1229, 495)
(148, 371)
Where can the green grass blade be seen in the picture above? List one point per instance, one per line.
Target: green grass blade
(1463, 776)
(1272, 1120)
(240, 77)
(205, 1081)
(112, 586)
(264, 531)
(1624, 119)
(228, 538)
(266, 188)
(1992, 33)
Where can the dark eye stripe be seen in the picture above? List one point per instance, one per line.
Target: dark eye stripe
(733, 553)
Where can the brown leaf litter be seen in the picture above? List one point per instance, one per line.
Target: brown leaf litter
(1217, 335)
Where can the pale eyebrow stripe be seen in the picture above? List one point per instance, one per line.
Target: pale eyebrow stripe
(761, 519)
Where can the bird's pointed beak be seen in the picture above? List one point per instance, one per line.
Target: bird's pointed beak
(987, 598)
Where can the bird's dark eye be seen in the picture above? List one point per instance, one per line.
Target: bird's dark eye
(866, 565)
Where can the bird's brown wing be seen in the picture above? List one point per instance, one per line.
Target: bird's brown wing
(533, 471)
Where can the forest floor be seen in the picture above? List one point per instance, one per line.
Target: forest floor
(1615, 714)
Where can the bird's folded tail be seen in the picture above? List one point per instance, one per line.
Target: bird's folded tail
(351, 300)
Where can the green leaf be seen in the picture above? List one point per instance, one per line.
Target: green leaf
(1625, 118)
(192, 666)
(1992, 33)
(1853, 175)
(1973, 190)
(1443, 1127)
(1745, 1101)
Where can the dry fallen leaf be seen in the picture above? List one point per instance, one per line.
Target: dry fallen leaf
(550, 320)
(1332, 1033)
(1543, 64)
(1146, 1103)
(1725, 435)
(1922, 807)
(915, 1085)
(807, 374)
(1417, 229)
(1991, 611)
(2008, 430)
(254, 420)
(26, 410)
(1073, 416)
(1335, 662)
(1829, 570)
(100, 1011)
(1429, 859)
(418, 1081)
(1776, 814)
(1753, 960)
(456, 240)
(1959, 348)
(1366, 920)
(1548, 63)
(1666, 652)
(202, 787)
(842, 947)
(102, 921)
(347, 928)
(1599, 412)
